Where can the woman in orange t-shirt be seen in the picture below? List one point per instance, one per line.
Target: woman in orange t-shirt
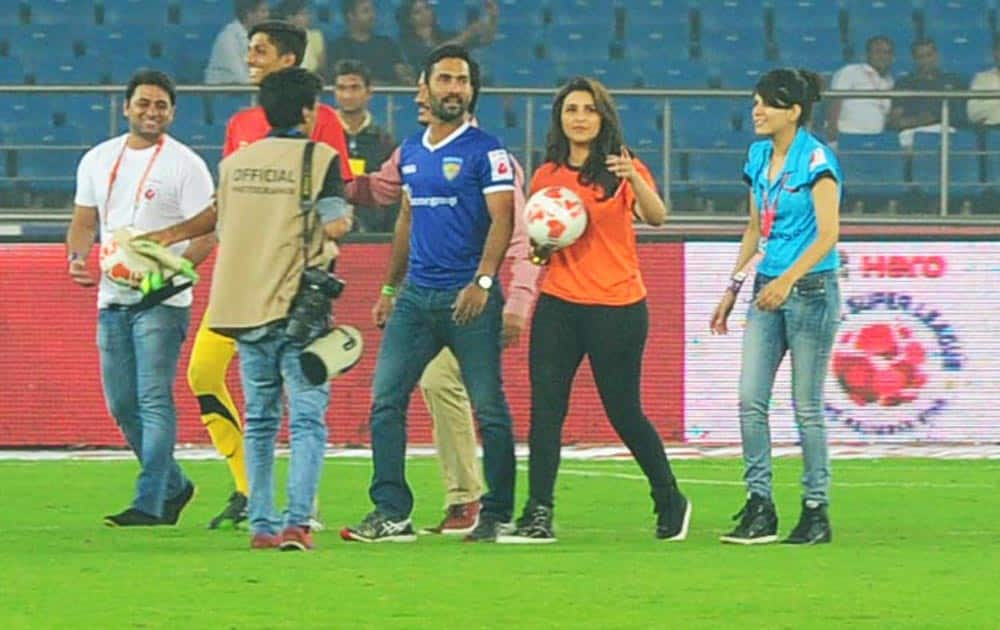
(593, 303)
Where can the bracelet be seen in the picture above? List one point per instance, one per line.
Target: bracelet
(735, 285)
(388, 290)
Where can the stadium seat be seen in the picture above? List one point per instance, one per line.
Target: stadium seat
(119, 13)
(993, 159)
(953, 14)
(188, 47)
(68, 70)
(655, 73)
(893, 18)
(25, 110)
(731, 15)
(11, 71)
(205, 12)
(662, 43)
(583, 43)
(746, 42)
(818, 49)
(736, 73)
(798, 15)
(90, 113)
(965, 50)
(47, 157)
(693, 117)
(36, 45)
(70, 13)
(581, 13)
(873, 164)
(963, 164)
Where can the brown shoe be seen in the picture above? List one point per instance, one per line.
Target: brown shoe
(458, 519)
(296, 538)
(265, 541)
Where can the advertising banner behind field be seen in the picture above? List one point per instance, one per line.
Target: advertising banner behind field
(915, 358)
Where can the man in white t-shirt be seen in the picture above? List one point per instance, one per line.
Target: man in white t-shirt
(863, 115)
(147, 180)
(983, 111)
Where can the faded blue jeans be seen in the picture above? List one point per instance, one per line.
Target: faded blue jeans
(139, 352)
(269, 366)
(420, 326)
(805, 327)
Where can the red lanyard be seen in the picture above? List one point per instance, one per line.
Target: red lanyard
(138, 190)
(769, 211)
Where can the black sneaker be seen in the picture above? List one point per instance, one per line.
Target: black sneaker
(376, 528)
(813, 527)
(533, 528)
(235, 511)
(758, 523)
(489, 527)
(172, 507)
(132, 518)
(673, 518)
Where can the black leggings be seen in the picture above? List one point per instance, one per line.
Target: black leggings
(613, 337)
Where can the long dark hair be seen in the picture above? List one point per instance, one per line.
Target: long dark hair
(405, 23)
(609, 139)
(786, 87)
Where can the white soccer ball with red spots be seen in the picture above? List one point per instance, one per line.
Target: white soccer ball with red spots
(555, 217)
(120, 263)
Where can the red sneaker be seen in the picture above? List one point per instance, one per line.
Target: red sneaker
(265, 541)
(296, 538)
(458, 519)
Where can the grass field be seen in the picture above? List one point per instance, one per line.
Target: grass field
(915, 545)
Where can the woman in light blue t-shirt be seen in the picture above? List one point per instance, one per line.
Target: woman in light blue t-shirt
(795, 191)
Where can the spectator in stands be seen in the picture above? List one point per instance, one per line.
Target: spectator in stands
(227, 64)
(368, 143)
(863, 115)
(924, 114)
(986, 111)
(143, 179)
(795, 192)
(297, 12)
(380, 53)
(419, 32)
(593, 304)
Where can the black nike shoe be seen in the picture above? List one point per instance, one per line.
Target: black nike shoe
(132, 518)
(533, 528)
(234, 513)
(673, 518)
(813, 527)
(758, 523)
(172, 507)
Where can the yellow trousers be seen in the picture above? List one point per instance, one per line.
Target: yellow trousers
(453, 428)
(210, 358)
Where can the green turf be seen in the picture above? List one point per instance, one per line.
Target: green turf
(915, 545)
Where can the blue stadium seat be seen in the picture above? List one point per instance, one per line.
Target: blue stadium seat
(68, 70)
(188, 47)
(737, 73)
(953, 14)
(530, 74)
(693, 117)
(71, 13)
(582, 43)
(746, 42)
(219, 107)
(90, 112)
(205, 12)
(194, 132)
(963, 166)
(117, 43)
(36, 45)
(664, 43)
(11, 71)
(587, 13)
(7, 179)
(25, 110)
(879, 17)
(656, 73)
(791, 15)
(50, 165)
(732, 15)
(993, 158)
(965, 50)
(118, 13)
(614, 74)
(819, 49)
(874, 164)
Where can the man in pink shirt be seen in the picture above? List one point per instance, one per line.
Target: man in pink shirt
(444, 392)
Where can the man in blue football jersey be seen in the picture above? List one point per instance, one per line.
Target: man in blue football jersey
(454, 225)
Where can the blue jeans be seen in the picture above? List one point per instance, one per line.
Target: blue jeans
(269, 365)
(139, 352)
(805, 325)
(420, 326)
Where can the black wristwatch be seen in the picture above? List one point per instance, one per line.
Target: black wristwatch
(484, 282)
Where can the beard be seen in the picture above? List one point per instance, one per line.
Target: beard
(448, 111)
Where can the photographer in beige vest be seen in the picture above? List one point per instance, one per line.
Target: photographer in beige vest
(272, 291)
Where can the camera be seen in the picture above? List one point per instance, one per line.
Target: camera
(309, 316)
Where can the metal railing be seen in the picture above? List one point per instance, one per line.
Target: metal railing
(396, 95)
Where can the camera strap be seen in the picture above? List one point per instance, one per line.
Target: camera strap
(306, 203)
